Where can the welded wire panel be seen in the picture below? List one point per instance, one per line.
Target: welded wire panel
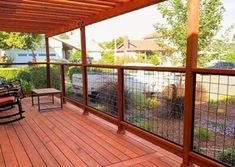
(102, 89)
(214, 117)
(73, 83)
(153, 101)
(55, 76)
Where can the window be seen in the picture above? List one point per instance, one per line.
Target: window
(22, 54)
(42, 54)
(32, 54)
(52, 54)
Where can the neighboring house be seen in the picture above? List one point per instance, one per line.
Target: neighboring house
(147, 45)
(20, 55)
(60, 49)
(93, 50)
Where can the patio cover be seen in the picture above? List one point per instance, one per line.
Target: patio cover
(52, 17)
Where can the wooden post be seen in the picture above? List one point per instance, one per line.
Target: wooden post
(48, 63)
(84, 69)
(62, 81)
(121, 129)
(191, 62)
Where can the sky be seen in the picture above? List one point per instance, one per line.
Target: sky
(140, 23)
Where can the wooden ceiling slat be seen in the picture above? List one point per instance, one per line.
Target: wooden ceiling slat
(121, 9)
(54, 5)
(33, 17)
(53, 17)
(89, 4)
(32, 21)
(14, 5)
(26, 30)
(44, 13)
(100, 2)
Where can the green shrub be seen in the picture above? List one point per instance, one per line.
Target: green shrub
(148, 126)
(26, 86)
(151, 103)
(202, 133)
(73, 70)
(100, 107)
(227, 156)
(39, 77)
(24, 74)
(8, 73)
(55, 76)
(139, 100)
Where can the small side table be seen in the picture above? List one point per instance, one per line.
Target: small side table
(46, 92)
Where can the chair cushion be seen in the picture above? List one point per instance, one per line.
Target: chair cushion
(6, 100)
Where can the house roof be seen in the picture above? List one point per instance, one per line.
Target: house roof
(139, 46)
(53, 17)
(152, 35)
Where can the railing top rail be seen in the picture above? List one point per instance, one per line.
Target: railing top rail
(214, 71)
(23, 63)
(150, 68)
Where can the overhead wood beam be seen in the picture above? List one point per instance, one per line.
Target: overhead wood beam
(14, 5)
(27, 17)
(32, 21)
(100, 2)
(86, 4)
(38, 5)
(121, 9)
(43, 28)
(43, 13)
(25, 30)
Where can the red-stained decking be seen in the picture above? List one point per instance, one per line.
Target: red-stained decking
(68, 138)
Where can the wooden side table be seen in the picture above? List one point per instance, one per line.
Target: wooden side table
(46, 92)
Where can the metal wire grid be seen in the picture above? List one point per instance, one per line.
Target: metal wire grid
(214, 117)
(73, 82)
(55, 76)
(102, 89)
(155, 102)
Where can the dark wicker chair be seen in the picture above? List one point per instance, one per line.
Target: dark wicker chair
(9, 99)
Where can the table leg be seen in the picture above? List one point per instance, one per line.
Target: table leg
(61, 100)
(38, 103)
(32, 98)
(53, 99)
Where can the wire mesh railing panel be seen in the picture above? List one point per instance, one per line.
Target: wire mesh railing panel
(73, 83)
(102, 89)
(55, 71)
(31, 76)
(153, 101)
(214, 117)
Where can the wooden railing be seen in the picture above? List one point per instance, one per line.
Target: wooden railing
(156, 138)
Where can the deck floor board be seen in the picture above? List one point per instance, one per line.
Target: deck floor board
(68, 138)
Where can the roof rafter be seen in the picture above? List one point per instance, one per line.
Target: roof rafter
(121, 9)
(54, 17)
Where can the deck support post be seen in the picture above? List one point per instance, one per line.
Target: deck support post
(62, 81)
(48, 62)
(84, 69)
(191, 62)
(120, 106)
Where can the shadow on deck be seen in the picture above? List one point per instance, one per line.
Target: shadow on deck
(68, 138)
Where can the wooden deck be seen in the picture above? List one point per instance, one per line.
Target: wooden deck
(68, 138)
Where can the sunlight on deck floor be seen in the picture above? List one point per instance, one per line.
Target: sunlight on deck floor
(68, 138)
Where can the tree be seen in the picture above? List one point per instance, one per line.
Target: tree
(229, 57)
(75, 55)
(173, 31)
(23, 41)
(111, 44)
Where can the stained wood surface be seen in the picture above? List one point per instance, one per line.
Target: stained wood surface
(69, 138)
(59, 16)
